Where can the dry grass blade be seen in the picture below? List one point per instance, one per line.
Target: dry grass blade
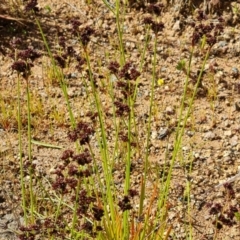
(6, 17)
(230, 180)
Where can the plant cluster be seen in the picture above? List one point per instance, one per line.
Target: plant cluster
(66, 53)
(83, 34)
(82, 132)
(71, 172)
(84, 202)
(204, 29)
(44, 227)
(126, 84)
(224, 216)
(69, 176)
(32, 6)
(23, 57)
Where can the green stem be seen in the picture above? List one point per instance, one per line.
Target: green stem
(75, 209)
(120, 33)
(127, 172)
(23, 190)
(60, 76)
(30, 150)
(142, 196)
(103, 142)
(180, 132)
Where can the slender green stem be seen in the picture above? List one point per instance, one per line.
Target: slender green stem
(109, 6)
(142, 196)
(58, 208)
(59, 75)
(20, 153)
(120, 33)
(74, 220)
(30, 150)
(103, 143)
(127, 171)
(180, 131)
(147, 38)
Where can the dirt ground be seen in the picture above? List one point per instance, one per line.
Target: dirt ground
(211, 139)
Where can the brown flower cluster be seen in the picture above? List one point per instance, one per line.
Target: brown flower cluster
(224, 216)
(82, 132)
(210, 30)
(127, 75)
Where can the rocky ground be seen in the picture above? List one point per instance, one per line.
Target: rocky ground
(211, 139)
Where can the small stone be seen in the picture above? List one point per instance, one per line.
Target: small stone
(43, 95)
(177, 25)
(222, 43)
(113, 78)
(170, 147)
(237, 105)
(207, 154)
(209, 136)
(227, 103)
(207, 217)
(227, 159)
(228, 133)
(166, 88)
(218, 76)
(169, 110)
(235, 72)
(196, 155)
(185, 148)
(234, 141)
(73, 75)
(226, 36)
(190, 133)
(222, 96)
(163, 133)
(35, 162)
(227, 123)
(142, 37)
(226, 153)
(154, 135)
(9, 217)
(71, 92)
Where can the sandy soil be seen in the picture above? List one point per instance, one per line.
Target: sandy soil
(211, 139)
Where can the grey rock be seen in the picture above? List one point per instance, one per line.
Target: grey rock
(113, 78)
(73, 75)
(235, 72)
(9, 217)
(163, 133)
(209, 135)
(190, 133)
(222, 44)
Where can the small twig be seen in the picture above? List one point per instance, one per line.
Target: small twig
(232, 179)
(75, 8)
(12, 18)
